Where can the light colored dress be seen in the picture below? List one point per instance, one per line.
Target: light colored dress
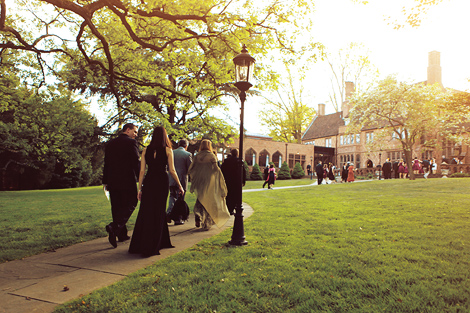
(207, 182)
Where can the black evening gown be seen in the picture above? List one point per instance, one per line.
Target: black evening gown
(151, 230)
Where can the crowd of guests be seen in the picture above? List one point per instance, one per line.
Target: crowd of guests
(162, 172)
(401, 170)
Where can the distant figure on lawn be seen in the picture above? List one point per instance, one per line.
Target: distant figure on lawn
(121, 169)
(207, 181)
(182, 161)
(344, 173)
(387, 169)
(350, 173)
(319, 171)
(331, 173)
(271, 177)
(231, 171)
(151, 229)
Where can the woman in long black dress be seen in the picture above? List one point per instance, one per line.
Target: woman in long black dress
(151, 230)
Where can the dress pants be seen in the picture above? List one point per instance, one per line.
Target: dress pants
(123, 203)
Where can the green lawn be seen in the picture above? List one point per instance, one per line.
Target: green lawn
(381, 246)
(33, 222)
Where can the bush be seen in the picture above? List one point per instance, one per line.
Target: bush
(256, 173)
(457, 175)
(247, 171)
(298, 172)
(284, 172)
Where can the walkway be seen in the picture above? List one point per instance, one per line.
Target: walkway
(39, 283)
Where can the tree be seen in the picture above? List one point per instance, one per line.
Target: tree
(46, 140)
(407, 112)
(349, 64)
(256, 173)
(284, 172)
(161, 62)
(247, 170)
(287, 116)
(298, 171)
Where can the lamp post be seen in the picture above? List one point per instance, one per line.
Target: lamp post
(244, 64)
(380, 166)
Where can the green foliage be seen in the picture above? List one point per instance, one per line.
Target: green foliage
(47, 140)
(284, 172)
(457, 175)
(247, 171)
(162, 62)
(298, 171)
(256, 173)
(287, 117)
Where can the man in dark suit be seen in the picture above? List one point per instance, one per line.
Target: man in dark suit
(387, 169)
(231, 171)
(120, 174)
(319, 171)
(182, 160)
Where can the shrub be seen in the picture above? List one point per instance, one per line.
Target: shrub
(247, 171)
(456, 175)
(284, 172)
(256, 173)
(298, 172)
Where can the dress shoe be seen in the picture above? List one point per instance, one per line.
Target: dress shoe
(168, 218)
(122, 239)
(179, 222)
(112, 236)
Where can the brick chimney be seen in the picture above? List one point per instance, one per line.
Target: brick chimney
(434, 68)
(321, 109)
(345, 105)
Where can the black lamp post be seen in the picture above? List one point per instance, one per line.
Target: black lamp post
(244, 64)
(380, 166)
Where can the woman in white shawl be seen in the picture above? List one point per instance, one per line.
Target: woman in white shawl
(207, 181)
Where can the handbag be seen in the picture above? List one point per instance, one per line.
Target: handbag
(180, 209)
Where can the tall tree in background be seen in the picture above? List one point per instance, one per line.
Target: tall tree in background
(349, 64)
(406, 112)
(165, 62)
(287, 115)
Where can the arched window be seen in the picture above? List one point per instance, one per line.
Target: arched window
(249, 156)
(277, 159)
(263, 158)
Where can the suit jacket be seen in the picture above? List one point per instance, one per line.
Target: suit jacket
(182, 160)
(319, 170)
(387, 167)
(121, 163)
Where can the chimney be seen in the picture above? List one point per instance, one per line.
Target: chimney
(345, 105)
(321, 109)
(434, 68)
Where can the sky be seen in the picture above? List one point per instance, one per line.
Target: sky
(402, 52)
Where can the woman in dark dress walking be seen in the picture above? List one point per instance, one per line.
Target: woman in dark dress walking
(151, 230)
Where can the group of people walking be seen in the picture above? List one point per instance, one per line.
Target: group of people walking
(401, 170)
(161, 172)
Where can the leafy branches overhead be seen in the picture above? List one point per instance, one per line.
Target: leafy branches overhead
(174, 55)
(287, 116)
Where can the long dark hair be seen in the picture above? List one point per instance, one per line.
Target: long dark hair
(159, 140)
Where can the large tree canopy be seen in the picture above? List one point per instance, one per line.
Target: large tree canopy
(160, 61)
(406, 112)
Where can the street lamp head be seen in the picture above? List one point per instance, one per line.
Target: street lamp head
(244, 65)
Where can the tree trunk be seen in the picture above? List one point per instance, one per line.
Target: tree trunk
(409, 160)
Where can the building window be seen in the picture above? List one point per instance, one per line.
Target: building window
(358, 138)
(328, 142)
(369, 137)
(341, 140)
(310, 142)
(249, 157)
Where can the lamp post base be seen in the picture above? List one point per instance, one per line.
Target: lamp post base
(238, 235)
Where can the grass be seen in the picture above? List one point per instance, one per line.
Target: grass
(33, 222)
(382, 246)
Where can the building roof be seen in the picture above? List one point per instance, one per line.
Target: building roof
(324, 126)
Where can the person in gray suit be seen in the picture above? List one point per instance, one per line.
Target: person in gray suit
(182, 161)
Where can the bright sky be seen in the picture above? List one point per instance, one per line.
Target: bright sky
(403, 52)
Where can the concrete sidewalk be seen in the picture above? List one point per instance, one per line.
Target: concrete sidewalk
(36, 284)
